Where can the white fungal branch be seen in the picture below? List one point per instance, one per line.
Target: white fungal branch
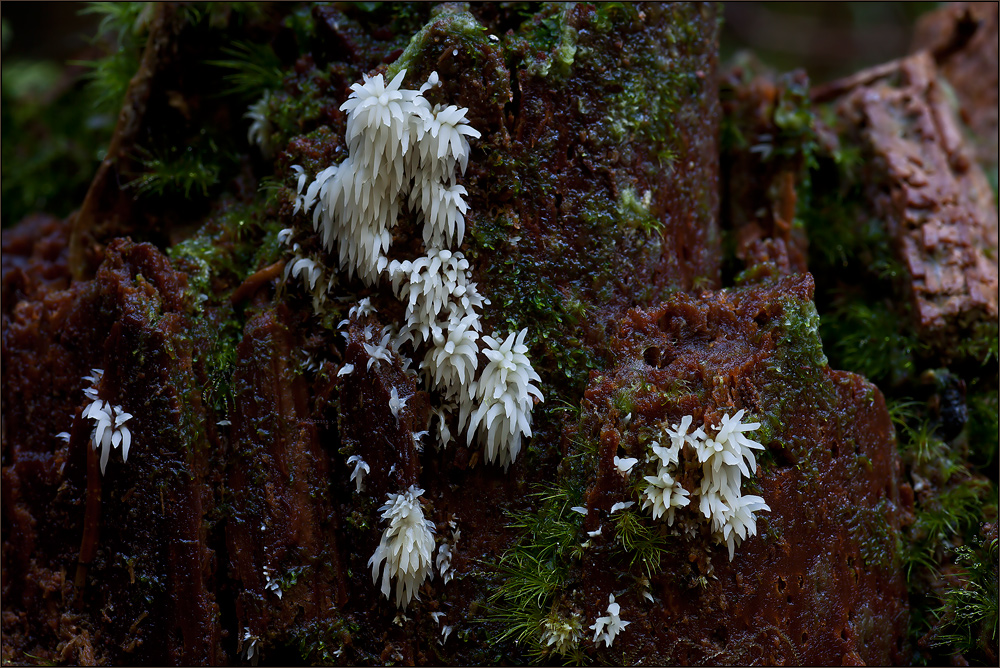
(406, 548)
(608, 627)
(506, 395)
(361, 469)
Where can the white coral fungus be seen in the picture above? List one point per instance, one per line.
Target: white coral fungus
(610, 625)
(561, 633)
(361, 469)
(507, 395)
(407, 546)
(726, 458)
(402, 152)
(109, 428)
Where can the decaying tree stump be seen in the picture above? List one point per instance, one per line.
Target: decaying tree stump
(235, 531)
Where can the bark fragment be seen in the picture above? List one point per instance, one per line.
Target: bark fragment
(922, 180)
(964, 41)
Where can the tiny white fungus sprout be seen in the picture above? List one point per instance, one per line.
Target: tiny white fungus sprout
(109, 428)
(625, 464)
(606, 628)
(250, 647)
(379, 352)
(361, 469)
(261, 127)
(621, 505)
(396, 403)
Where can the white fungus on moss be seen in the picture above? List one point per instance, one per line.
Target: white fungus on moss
(561, 634)
(406, 548)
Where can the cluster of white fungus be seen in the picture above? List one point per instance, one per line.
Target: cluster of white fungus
(405, 154)
(406, 548)
(109, 422)
(401, 147)
(505, 394)
(726, 458)
(561, 634)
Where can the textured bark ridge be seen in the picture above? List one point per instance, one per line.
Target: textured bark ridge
(923, 180)
(280, 534)
(821, 582)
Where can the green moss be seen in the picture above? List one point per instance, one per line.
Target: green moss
(982, 428)
(553, 40)
(53, 141)
(641, 544)
(322, 642)
(970, 612)
(795, 378)
(189, 171)
(463, 31)
(520, 297)
(871, 529)
(634, 213)
(642, 110)
(536, 571)
(982, 344)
